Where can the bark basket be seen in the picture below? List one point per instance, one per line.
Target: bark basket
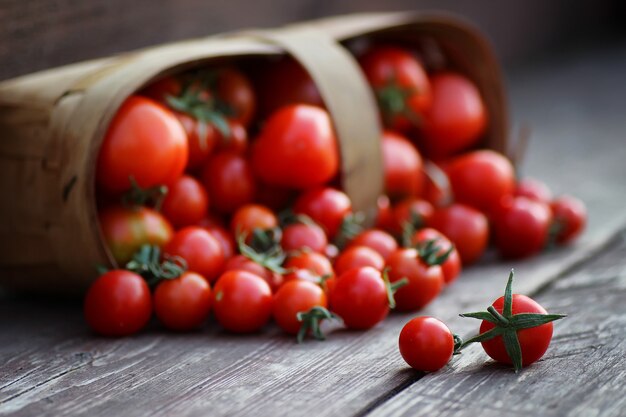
(52, 124)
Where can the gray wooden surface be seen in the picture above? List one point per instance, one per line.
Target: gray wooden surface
(51, 365)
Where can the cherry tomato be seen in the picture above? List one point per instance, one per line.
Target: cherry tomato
(304, 235)
(252, 216)
(202, 252)
(358, 256)
(359, 297)
(125, 230)
(292, 298)
(451, 267)
(403, 166)
(160, 89)
(183, 303)
(201, 139)
(241, 263)
(236, 91)
(384, 218)
(466, 227)
(481, 178)
(533, 189)
(312, 261)
(145, 141)
(570, 215)
(381, 242)
(118, 303)
(533, 341)
(412, 211)
(186, 202)
(456, 119)
(400, 83)
(296, 148)
(302, 275)
(425, 281)
(326, 206)
(225, 239)
(426, 344)
(237, 141)
(521, 227)
(229, 180)
(242, 302)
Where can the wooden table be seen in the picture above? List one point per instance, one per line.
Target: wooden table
(50, 364)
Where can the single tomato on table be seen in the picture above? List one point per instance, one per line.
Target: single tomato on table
(426, 344)
(570, 217)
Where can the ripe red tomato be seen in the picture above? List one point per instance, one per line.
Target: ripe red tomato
(118, 303)
(312, 261)
(144, 141)
(356, 257)
(242, 302)
(400, 83)
(426, 344)
(533, 341)
(533, 189)
(298, 236)
(412, 211)
(183, 303)
(296, 148)
(241, 263)
(570, 216)
(381, 242)
(467, 229)
(252, 216)
(403, 166)
(384, 219)
(201, 139)
(303, 275)
(186, 202)
(521, 227)
(326, 206)
(481, 178)
(230, 182)
(425, 281)
(292, 298)
(451, 267)
(237, 141)
(236, 91)
(160, 89)
(202, 252)
(456, 119)
(359, 297)
(125, 230)
(225, 239)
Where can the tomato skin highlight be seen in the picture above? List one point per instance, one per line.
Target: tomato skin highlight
(242, 302)
(186, 202)
(426, 344)
(402, 166)
(357, 257)
(299, 235)
(326, 206)
(533, 342)
(118, 303)
(294, 297)
(182, 303)
(571, 214)
(144, 141)
(297, 148)
(202, 252)
(228, 178)
(382, 242)
(125, 230)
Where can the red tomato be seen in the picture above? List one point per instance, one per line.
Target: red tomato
(481, 178)
(242, 302)
(533, 189)
(118, 303)
(358, 256)
(467, 229)
(236, 91)
(201, 139)
(426, 344)
(183, 303)
(295, 297)
(241, 263)
(381, 242)
(451, 267)
(312, 261)
(304, 235)
(125, 230)
(225, 239)
(425, 281)
(533, 341)
(237, 141)
(252, 216)
(229, 180)
(413, 211)
(186, 202)
(403, 166)
(297, 148)
(570, 216)
(302, 275)
(359, 297)
(457, 118)
(400, 84)
(202, 252)
(326, 206)
(145, 141)
(521, 227)
(159, 90)
(384, 219)
(283, 83)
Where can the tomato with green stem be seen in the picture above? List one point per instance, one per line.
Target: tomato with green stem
(228, 178)
(402, 165)
(297, 296)
(242, 263)
(235, 90)
(411, 214)
(326, 206)
(251, 217)
(426, 344)
(182, 303)
(451, 266)
(186, 202)
(202, 139)
(202, 252)
(570, 217)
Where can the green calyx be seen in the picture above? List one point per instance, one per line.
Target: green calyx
(392, 100)
(311, 321)
(392, 287)
(137, 196)
(409, 227)
(351, 226)
(264, 249)
(506, 325)
(147, 263)
(429, 252)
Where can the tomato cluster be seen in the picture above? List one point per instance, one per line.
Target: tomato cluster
(217, 194)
